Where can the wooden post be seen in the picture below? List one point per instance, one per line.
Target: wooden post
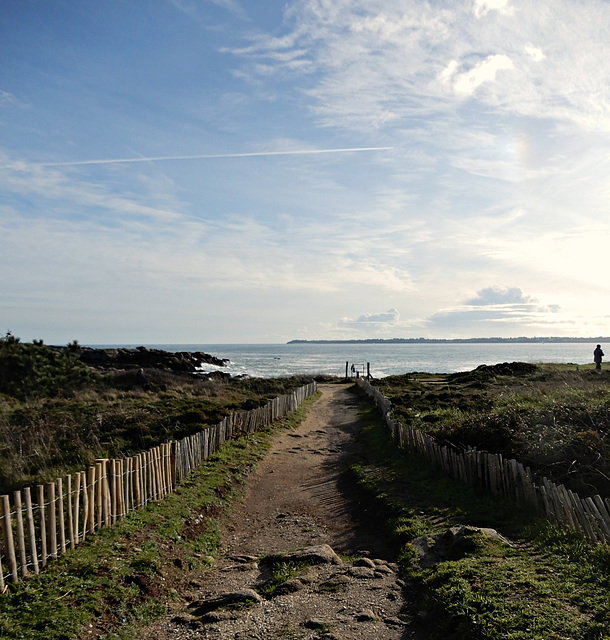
(136, 482)
(9, 545)
(174, 476)
(75, 535)
(70, 511)
(60, 518)
(52, 522)
(113, 487)
(99, 494)
(144, 476)
(128, 485)
(43, 525)
(20, 533)
(29, 523)
(106, 494)
(90, 504)
(120, 468)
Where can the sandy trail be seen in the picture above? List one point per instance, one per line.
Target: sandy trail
(296, 498)
(300, 479)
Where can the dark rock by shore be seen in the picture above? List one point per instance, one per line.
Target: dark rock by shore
(145, 358)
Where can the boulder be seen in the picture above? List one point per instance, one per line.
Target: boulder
(317, 554)
(453, 544)
(226, 601)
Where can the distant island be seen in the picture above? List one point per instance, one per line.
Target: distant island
(538, 340)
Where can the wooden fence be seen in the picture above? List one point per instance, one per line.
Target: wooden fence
(503, 478)
(43, 524)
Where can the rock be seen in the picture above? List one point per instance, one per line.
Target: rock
(219, 616)
(314, 623)
(186, 621)
(384, 569)
(232, 600)
(289, 586)
(367, 615)
(144, 358)
(361, 572)
(335, 583)
(318, 554)
(452, 544)
(364, 562)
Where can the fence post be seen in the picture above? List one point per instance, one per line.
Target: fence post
(9, 545)
(70, 511)
(52, 520)
(29, 523)
(60, 513)
(20, 533)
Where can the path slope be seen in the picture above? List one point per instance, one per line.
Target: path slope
(298, 498)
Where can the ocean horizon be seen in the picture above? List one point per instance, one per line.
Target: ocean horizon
(271, 360)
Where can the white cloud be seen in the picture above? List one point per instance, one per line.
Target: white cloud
(499, 295)
(465, 84)
(535, 53)
(372, 323)
(364, 61)
(392, 316)
(497, 311)
(483, 7)
(7, 98)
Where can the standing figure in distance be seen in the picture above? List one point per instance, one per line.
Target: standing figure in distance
(597, 357)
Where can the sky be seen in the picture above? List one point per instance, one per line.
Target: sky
(238, 171)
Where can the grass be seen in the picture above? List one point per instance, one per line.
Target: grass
(554, 419)
(280, 571)
(124, 574)
(551, 584)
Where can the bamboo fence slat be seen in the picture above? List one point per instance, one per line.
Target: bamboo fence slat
(29, 521)
(9, 545)
(20, 533)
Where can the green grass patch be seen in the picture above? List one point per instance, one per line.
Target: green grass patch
(279, 571)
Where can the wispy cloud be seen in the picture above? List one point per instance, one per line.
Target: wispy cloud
(17, 165)
(373, 320)
(390, 56)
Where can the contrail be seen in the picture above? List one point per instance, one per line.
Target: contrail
(252, 154)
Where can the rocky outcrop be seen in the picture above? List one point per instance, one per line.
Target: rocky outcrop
(145, 358)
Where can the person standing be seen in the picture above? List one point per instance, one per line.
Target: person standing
(598, 354)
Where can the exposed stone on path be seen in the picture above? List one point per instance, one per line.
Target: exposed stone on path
(361, 572)
(317, 554)
(231, 600)
(328, 599)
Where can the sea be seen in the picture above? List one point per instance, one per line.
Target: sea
(380, 359)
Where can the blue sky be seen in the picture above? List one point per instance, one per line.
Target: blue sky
(209, 171)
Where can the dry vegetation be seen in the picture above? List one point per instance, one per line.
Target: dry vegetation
(57, 414)
(553, 418)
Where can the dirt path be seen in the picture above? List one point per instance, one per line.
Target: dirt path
(297, 499)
